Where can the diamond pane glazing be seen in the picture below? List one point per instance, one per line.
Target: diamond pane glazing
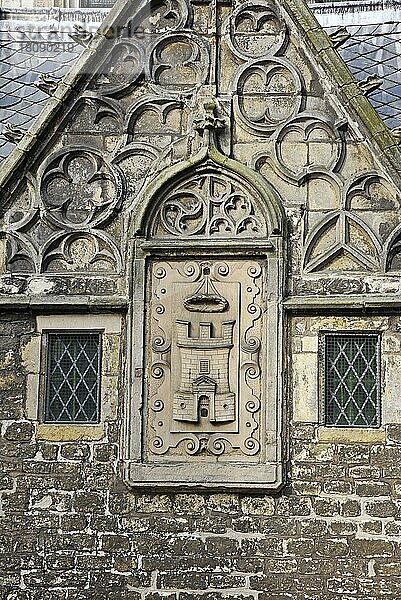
(72, 378)
(352, 380)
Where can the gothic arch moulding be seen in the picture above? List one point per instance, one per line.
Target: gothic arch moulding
(196, 183)
(206, 331)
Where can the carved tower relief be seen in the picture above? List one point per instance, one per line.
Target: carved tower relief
(209, 257)
(205, 354)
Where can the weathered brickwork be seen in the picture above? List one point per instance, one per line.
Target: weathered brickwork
(71, 529)
(216, 169)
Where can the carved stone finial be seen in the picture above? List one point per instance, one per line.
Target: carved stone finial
(207, 123)
(46, 83)
(340, 36)
(370, 84)
(397, 134)
(208, 119)
(12, 133)
(81, 35)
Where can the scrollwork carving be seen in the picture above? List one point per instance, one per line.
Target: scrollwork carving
(210, 205)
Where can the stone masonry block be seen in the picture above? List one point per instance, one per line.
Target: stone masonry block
(19, 431)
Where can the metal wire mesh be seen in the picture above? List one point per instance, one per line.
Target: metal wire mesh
(72, 378)
(352, 380)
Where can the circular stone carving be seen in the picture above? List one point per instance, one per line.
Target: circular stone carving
(121, 70)
(179, 62)
(256, 30)
(269, 93)
(308, 143)
(78, 188)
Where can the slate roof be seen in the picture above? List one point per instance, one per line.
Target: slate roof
(29, 47)
(376, 50)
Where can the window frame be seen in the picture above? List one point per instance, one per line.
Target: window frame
(322, 377)
(45, 379)
(110, 325)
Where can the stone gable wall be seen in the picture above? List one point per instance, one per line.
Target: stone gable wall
(71, 529)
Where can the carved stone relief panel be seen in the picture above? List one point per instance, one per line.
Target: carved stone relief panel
(206, 333)
(210, 205)
(205, 357)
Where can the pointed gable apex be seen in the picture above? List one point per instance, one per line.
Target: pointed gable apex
(303, 24)
(160, 91)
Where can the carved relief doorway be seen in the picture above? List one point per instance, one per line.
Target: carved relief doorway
(206, 331)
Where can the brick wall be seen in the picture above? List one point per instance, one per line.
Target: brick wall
(71, 530)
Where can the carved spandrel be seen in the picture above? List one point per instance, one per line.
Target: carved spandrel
(204, 354)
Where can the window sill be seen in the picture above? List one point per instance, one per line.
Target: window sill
(72, 432)
(351, 434)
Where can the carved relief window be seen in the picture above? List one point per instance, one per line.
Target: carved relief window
(207, 411)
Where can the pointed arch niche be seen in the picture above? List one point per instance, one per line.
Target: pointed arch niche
(206, 330)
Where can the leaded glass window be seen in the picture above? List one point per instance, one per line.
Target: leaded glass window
(72, 389)
(352, 380)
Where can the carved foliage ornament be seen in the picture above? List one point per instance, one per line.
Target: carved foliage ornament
(205, 352)
(210, 205)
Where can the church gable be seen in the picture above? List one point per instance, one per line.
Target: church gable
(204, 171)
(274, 111)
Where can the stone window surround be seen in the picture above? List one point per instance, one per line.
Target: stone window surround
(308, 392)
(33, 360)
